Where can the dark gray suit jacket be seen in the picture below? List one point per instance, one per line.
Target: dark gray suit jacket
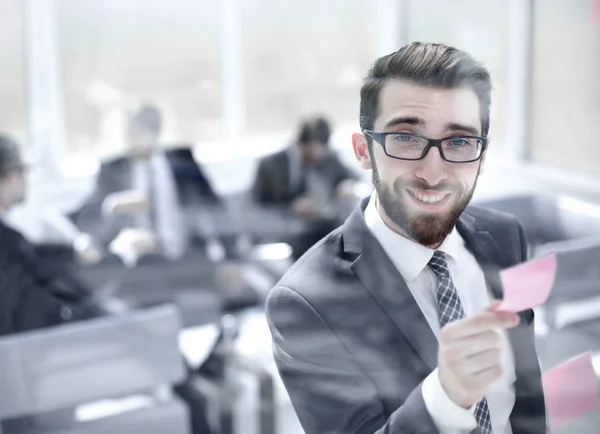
(353, 347)
(272, 182)
(34, 294)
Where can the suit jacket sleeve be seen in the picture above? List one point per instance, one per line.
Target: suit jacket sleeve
(102, 188)
(264, 189)
(329, 390)
(31, 299)
(89, 218)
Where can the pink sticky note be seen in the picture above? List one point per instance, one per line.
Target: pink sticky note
(571, 390)
(596, 11)
(528, 284)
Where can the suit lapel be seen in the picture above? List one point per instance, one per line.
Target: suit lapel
(528, 415)
(484, 248)
(385, 284)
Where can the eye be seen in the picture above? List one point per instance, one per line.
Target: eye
(404, 138)
(458, 141)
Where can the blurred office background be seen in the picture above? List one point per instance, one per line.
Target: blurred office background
(234, 78)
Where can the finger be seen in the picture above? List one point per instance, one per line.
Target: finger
(480, 323)
(479, 363)
(472, 345)
(493, 306)
(485, 377)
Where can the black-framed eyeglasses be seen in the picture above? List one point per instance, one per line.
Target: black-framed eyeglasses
(413, 147)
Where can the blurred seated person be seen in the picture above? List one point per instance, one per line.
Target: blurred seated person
(32, 295)
(310, 179)
(35, 296)
(150, 200)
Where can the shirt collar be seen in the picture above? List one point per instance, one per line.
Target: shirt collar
(407, 255)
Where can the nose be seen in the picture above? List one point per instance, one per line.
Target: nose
(432, 168)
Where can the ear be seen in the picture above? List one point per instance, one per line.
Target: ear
(361, 151)
(482, 164)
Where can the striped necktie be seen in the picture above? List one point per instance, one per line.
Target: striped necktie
(450, 309)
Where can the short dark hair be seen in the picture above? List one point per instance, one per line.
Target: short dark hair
(315, 130)
(426, 64)
(149, 117)
(10, 156)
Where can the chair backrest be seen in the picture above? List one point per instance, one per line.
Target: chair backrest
(171, 417)
(549, 219)
(62, 367)
(539, 215)
(578, 272)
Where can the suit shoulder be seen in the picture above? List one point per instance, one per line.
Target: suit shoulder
(322, 266)
(488, 218)
(183, 152)
(113, 163)
(14, 244)
(275, 157)
(8, 233)
(505, 229)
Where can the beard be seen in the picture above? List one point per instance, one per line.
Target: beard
(428, 229)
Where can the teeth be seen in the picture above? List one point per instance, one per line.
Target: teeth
(428, 199)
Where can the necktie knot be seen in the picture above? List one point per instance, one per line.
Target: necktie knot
(438, 263)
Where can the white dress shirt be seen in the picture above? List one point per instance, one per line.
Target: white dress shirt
(170, 225)
(411, 259)
(294, 167)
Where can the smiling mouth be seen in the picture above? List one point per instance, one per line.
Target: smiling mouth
(431, 199)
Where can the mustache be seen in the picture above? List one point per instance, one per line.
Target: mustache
(421, 185)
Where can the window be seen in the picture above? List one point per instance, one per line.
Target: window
(13, 109)
(303, 57)
(565, 86)
(480, 28)
(118, 53)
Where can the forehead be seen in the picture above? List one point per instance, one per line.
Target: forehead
(436, 106)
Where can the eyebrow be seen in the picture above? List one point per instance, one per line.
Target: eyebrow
(413, 120)
(410, 120)
(452, 126)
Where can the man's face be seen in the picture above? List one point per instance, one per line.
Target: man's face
(312, 152)
(142, 141)
(12, 189)
(422, 199)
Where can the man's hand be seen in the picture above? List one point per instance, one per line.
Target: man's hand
(126, 202)
(469, 356)
(85, 249)
(135, 241)
(89, 255)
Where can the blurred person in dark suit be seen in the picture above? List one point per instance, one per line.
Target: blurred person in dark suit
(151, 199)
(33, 295)
(308, 178)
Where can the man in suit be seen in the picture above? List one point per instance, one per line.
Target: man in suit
(308, 179)
(388, 325)
(149, 199)
(34, 295)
